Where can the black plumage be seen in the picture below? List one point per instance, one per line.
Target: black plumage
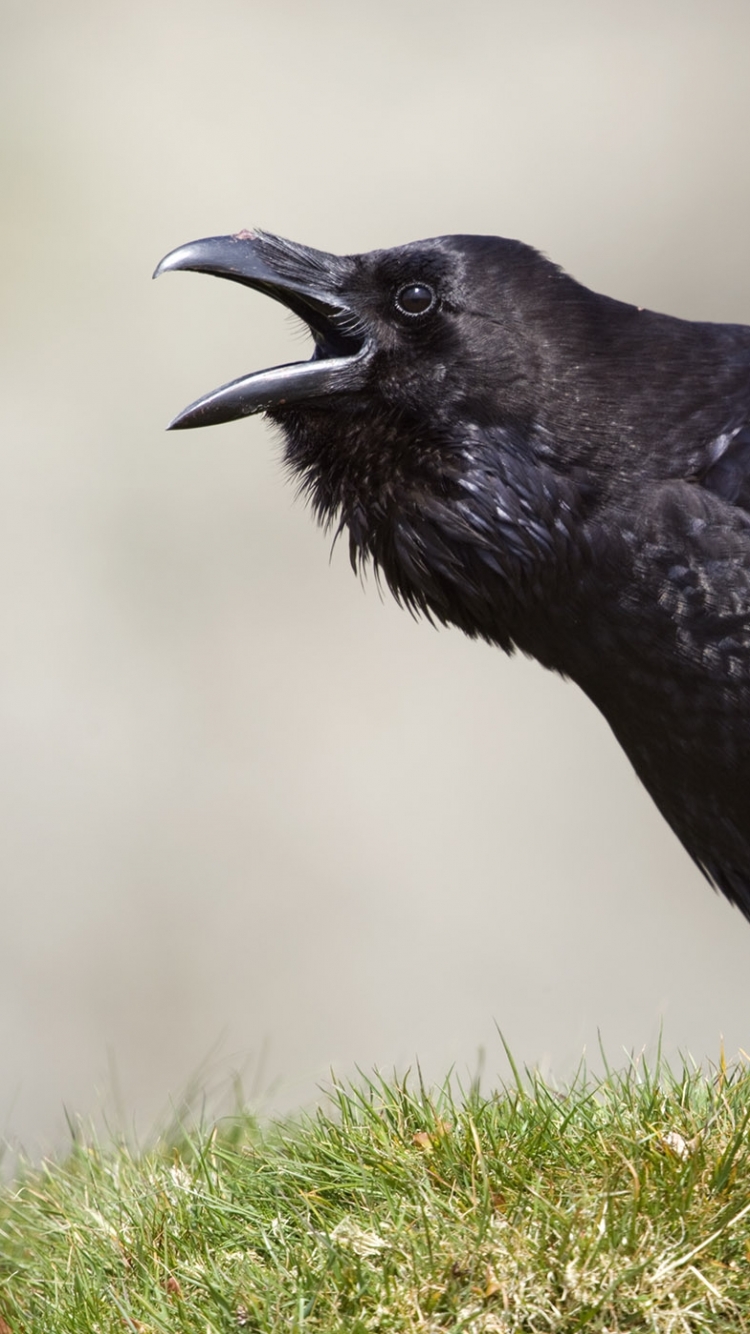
(544, 467)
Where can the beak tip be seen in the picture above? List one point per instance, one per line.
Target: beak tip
(170, 261)
(180, 423)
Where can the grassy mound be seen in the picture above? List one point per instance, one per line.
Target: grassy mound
(619, 1205)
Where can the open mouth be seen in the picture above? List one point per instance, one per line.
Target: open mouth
(307, 282)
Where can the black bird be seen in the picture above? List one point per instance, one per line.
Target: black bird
(542, 466)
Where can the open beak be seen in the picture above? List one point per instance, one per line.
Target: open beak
(306, 281)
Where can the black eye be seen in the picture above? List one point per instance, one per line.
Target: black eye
(415, 299)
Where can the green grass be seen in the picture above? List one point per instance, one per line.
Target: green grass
(620, 1205)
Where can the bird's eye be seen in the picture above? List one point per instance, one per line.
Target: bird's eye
(415, 299)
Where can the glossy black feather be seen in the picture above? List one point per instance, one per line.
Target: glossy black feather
(729, 476)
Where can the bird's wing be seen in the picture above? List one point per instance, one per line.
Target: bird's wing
(689, 737)
(693, 554)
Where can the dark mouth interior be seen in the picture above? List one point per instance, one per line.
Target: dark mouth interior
(332, 327)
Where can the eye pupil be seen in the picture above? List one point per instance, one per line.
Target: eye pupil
(415, 299)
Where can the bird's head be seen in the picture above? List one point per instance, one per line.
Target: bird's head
(408, 342)
(417, 423)
(439, 325)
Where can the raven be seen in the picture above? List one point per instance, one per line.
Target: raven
(544, 467)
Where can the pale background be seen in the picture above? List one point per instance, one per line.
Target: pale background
(252, 815)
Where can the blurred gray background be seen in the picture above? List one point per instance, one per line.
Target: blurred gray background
(253, 816)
